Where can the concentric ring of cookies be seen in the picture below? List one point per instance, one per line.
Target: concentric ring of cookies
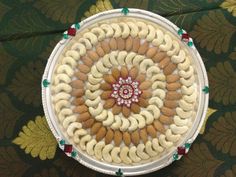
(119, 45)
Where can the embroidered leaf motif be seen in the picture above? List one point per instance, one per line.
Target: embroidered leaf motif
(47, 173)
(233, 54)
(230, 5)
(213, 32)
(37, 139)
(222, 134)
(230, 172)
(210, 111)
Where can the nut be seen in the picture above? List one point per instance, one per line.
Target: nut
(125, 111)
(143, 102)
(80, 109)
(105, 46)
(77, 92)
(135, 108)
(145, 85)
(163, 63)
(109, 103)
(78, 84)
(87, 61)
(173, 95)
(88, 123)
(135, 137)
(117, 138)
(78, 101)
(100, 51)
(158, 126)
(167, 111)
(169, 68)
(93, 55)
(143, 48)
(116, 109)
(173, 86)
(113, 44)
(84, 116)
(101, 134)
(109, 136)
(109, 78)
(126, 138)
(170, 104)
(165, 119)
(120, 43)
(136, 44)
(133, 72)
(115, 73)
(95, 128)
(129, 43)
(151, 52)
(106, 94)
(172, 78)
(151, 131)
(159, 56)
(124, 72)
(146, 94)
(143, 135)
(140, 78)
(83, 68)
(81, 76)
(105, 86)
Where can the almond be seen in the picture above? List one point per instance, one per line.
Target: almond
(81, 76)
(109, 136)
(115, 73)
(143, 135)
(109, 78)
(145, 85)
(151, 52)
(77, 92)
(106, 94)
(135, 137)
(84, 116)
(146, 94)
(109, 103)
(129, 43)
(135, 108)
(158, 126)
(88, 123)
(143, 102)
(136, 44)
(100, 51)
(80, 109)
(124, 72)
(113, 44)
(78, 84)
(151, 131)
(105, 46)
(172, 78)
(143, 48)
(170, 104)
(78, 101)
(117, 138)
(116, 109)
(83, 68)
(140, 78)
(159, 56)
(87, 61)
(126, 138)
(167, 111)
(133, 72)
(173, 86)
(105, 86)
(93, 55)
(163, 63)
(165, 119)
(173, 95)
(169, 68)
(120, 43)
(125, 111)
(101, 134)
(95, 128)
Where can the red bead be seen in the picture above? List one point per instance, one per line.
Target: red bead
(68, 148)
(71, 31)
(185, 37)
(181, 151)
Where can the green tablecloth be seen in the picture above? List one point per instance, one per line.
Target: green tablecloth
(30, 29)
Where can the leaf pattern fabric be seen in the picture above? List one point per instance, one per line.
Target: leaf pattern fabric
(29, 30)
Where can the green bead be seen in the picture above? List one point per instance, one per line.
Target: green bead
(187, 145)
(125, 10)
(73, 154)
(119, 173)
(180, 31)
(205, 89)
(175, 156)
(62, 142)
(190, 43)
(45, 83)
(77, 26)
(65, 36)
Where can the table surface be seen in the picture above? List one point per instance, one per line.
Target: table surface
(30, 29)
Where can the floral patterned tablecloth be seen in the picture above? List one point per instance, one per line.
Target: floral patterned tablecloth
(30, 29)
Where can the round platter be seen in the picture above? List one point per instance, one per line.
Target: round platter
(175, 124)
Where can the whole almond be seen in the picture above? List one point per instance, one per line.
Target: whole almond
(165, 119)
(105, 46)
(109, 136)
(78, 84)
(136, 44)
(88, 123)
(81, 76)
(95, 128)
(78, 101)
(77, 92)
(151, 52)
(169, 68)
(120, 43)
(172, 78)
(129, 43)
(116, 109)
(117, 138)
(84, 116)
(100, 51)
(159, 56)
(115, 73)
(106, 94)
(126, 138)
(105, 86)
(140, 78)
(146, 94)
(170, 104)
(167, 111)
(143, 48)
(151, 131)
(143, 102)
(143, 135)
(145, 85)
(80, 109)
(133, 72)
(163, 63)
(135, 137)
(109, 103)
(93, 55)
(173, 86)
(83, 68)
(109, 78)
(101, 134)
(126, 111)
(158, 126)
(113, 44)
(173, 95)
(135, 108)
(124, 72)
(87, 61)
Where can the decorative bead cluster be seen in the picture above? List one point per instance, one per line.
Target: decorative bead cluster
(182, 150)
(45, 83)
(125, 10)
(119, 173)
(126, 91)
(205, 89)
(71, 31)
(185, 37)
(67, 148)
